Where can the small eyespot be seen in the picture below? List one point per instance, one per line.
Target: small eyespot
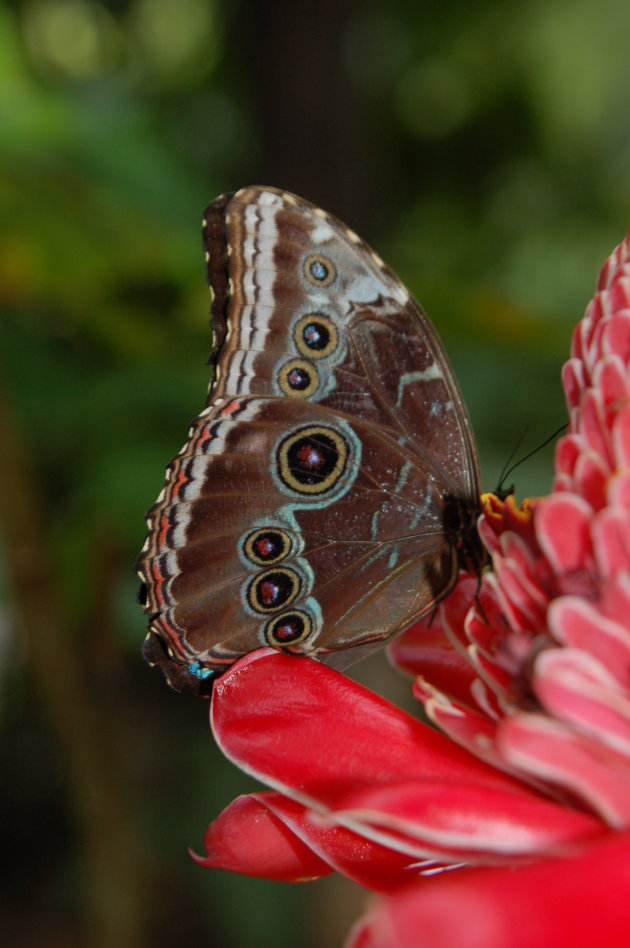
(315, 335)
(266, 546)
(273, 589)
(289, 628)
(298, 379)
(319, 271)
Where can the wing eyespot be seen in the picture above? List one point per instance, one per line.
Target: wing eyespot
(289, 629)
(298, 379)
(266, 546)
(315, 335)
(273, 589)
(312, 459)
(319, 270)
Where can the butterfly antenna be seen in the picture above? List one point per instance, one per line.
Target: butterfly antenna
(507, 470)
(501, 491)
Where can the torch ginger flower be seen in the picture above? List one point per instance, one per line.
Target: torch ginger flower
(525, 787)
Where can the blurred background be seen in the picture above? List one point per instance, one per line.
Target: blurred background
(483, 149)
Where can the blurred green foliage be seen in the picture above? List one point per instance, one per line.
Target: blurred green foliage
(482, 149)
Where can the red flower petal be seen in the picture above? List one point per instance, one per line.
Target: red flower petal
(424, 649)
(615, 263)
(582, 340)
(611, 538)
(611, 379)
(618, 489)
(574, 687)
(496, 677)
(580, 901)
(616, 335)
(573, 381)
(578, 624)
(590, 477)
(268, 835)
(247, 837)
(615, 601)
(563, 531)
(515, 549)
(456, 608)
(621, 436)
(593, 425)
(394, 790)
(305, 729)
(553, 751)
(568, 451)
(446, 815)
(618, 295)
(528, 604)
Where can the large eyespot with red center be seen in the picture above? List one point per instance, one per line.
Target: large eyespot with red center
(312, 459)
(298, 379)
(266, 546)
(315, 335)
(273, 589)
(319, 270)
(289, 629)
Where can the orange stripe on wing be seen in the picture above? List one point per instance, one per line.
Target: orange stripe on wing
(231, 407)
(164, 528)
(158, 582)
(172, 635)
(204, 435)
(181, 481)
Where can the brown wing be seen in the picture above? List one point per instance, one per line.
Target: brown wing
(312, 507)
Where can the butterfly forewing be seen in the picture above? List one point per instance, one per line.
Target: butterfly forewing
(327, 490)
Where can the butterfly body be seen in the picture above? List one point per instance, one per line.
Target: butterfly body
(329, 489)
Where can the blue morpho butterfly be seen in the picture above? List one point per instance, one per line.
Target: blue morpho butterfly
(328, 493)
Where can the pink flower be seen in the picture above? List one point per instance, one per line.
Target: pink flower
(531, 677)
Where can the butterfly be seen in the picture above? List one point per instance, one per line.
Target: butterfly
(328, 493)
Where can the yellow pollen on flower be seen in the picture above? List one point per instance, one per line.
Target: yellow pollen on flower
(497, 510)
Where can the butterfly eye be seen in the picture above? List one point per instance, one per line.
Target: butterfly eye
(273, 589)
(315, 335)
(290, 628)
(319, 270)
(298, 379)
